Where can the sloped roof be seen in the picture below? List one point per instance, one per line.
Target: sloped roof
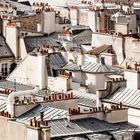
(3, 103)
(128, 97)
(19, 6)
(56, 60)
(64, 127)
(25, 3)
(11, 85)
(98, 50)
(72, 67)
(5, 51)
(97, 68)
(90, 67)
(84, 37)
(88, 99)
(50, 113)
(33, 42)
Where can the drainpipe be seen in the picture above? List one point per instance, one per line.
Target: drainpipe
(11, 98)
(123, 47)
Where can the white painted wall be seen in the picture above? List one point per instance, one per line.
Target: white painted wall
(59, 84)
(31, 71)
(94, 81)
(5, 21)
(130, 20)
(48, 22)
(78, 77)
(133, 79)
(22, 52)
(92, 20)
(116, 42)
(74, 16)
(129, 48)
(109, 58)
(12, 39)
(83, 17)
(90, 58)
(134, 116)
(121, 28)
(33, 132)
(75, 85)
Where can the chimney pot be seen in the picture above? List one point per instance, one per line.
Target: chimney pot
(62, 96)
(72, 95)
(69, 111)
(42, 116)
(121, 105)
(46, 123)
(78, 109)
(102, 106)
(69, 96)
(31, 123)
(38, 123)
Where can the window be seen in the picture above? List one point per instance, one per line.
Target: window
(4, 69)
(102, 60)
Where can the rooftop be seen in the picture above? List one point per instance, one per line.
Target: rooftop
(5, 51)
(90, 67)
(128, 97)
(56, 60)
(85, 99)
(19, 6)
(13, 85)
(64, 127)
(98, 50)
(49, 113)
(84, 37)
(33, 42)
(3, 103)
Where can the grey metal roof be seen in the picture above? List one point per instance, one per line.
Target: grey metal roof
(64, 127)
(77, 27)
(3, 103)
(19, 6)
(49, 114)
(5, 51)
(98, 136)
(12, 85)
(75, 138)
(72, 67)
(128, 97)
(61, 127)
(85, 99)
(97, 68)
(84, 37)
(56, 60)
(37, 41)
(90, 67)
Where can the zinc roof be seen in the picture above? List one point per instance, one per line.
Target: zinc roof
(128, 97)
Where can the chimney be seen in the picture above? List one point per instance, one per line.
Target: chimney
(11, 35)
(132, 74)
